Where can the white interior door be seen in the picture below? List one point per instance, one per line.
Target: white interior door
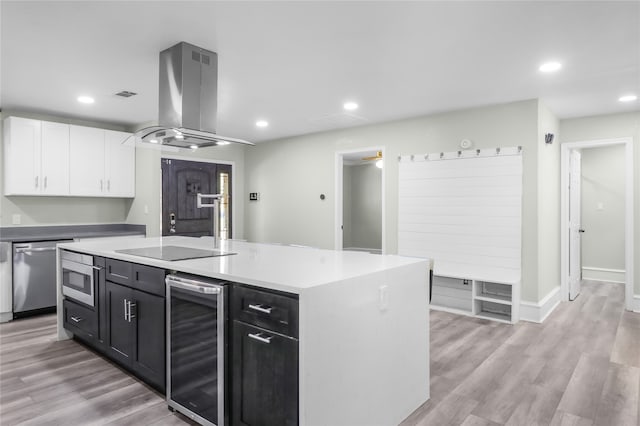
(575, 232)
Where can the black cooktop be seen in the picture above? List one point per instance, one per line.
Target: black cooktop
(172, 253)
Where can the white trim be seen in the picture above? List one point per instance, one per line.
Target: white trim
(636, 303)
(234, 210)
(603, 274)
(629, 212)
(6, 317)
(538, 312)
(337, 223)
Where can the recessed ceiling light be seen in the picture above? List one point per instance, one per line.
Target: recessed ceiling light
(350, 106)
(86, 99)
(627, 98)
(550, 67)
(262, 123)
(194, 147)
(223, 143)
(153, 140)
(179, 136)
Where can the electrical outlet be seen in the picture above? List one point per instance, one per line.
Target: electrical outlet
(254, 196)
(383, 297)
(16, 219)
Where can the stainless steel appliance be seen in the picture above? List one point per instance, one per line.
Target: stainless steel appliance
(196, 346)
(34, 277)
(188, 100)
(78, 276)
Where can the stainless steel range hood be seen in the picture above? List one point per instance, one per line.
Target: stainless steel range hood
(188, 100)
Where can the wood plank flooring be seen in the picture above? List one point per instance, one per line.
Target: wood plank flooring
(580, 368)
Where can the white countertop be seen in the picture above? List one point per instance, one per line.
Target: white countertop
(278, 267)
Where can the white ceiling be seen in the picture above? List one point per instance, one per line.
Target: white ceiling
(295, 63)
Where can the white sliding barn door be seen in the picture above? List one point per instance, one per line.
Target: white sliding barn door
(575, 219)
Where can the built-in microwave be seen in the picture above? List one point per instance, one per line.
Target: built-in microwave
(78, 277)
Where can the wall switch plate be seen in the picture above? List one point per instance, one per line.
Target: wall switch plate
(16, 219)
(254, 196)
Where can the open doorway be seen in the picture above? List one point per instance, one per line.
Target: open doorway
(588, 201)
(360, 203)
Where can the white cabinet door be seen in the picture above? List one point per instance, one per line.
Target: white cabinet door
(120, 164)
(86, 160)
(22, 142)
(54, 174)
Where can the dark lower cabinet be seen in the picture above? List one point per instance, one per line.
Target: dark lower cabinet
(264, 377)
(135, 331)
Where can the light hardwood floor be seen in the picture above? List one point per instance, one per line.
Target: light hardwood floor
(580, 368)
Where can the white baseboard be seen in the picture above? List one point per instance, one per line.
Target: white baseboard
(539, 311)
(6, 316)
(603, 274)
(636, 303)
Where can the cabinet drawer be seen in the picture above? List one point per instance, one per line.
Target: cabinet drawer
(268, 310)
(149, 279)
(119, 271)
(80, 318)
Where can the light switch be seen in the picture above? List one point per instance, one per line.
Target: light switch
(16, 219)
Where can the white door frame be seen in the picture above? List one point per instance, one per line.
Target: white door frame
(565, 148)
(337, 223)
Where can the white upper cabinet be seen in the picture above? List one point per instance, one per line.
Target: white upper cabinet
(36, 157)
(102, 163)
(46, 158)
(55, 159)
(86, 172)
(120, 164)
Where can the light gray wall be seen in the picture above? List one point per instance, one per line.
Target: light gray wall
(603, 181)
(149, 184)
(57, 210)
(548, 203)
(346, 206)
(364, 201)
(291, 173)
(607, 127)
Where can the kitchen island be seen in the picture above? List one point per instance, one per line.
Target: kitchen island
(363, 320)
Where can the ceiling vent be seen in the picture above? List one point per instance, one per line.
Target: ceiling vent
(126, 94)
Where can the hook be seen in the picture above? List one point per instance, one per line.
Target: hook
(441, 155)
(426, 156)
(497, 151)
(519, 149)
(477, 152)
(411, 157)
(459, 153)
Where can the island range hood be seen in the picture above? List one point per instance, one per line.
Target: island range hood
(188, 100)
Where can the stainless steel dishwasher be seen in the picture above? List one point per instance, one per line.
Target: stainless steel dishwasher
(196, 348)
(34, 277)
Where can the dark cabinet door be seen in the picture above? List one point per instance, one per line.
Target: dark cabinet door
(149, 349)
(265, 377)
(119, 334)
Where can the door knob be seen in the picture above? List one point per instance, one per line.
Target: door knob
(581, 230)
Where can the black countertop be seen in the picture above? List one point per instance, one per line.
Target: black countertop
(68, 232)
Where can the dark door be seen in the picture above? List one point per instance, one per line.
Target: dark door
(149, 347)
(120, 333)
(265, 377)
(181, 181)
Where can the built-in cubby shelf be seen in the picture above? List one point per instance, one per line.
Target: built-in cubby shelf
(497, 300)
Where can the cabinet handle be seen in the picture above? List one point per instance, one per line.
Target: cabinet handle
(109, 185)
(261, 308)
(259, 338)
(124, 277)
(45, 182)
(77, 319)
(36, 181)
(130, 306)
(126, 318)
(100, 184)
